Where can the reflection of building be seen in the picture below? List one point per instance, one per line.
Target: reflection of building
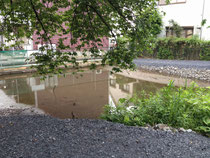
(124, 87)
(65, 97)
(120, 87)
(75, 95)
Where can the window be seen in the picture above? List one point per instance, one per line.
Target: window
(126, 88)
(113, 82)
(187, 32)
(164, 2)
(98, 71)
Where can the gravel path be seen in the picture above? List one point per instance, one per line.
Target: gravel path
(198, 64)
(184, 68)
(46, 137)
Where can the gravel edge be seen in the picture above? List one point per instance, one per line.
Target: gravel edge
(192, 73)
(199, 70)
(45, 136)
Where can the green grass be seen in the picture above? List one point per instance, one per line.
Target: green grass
(187, 107)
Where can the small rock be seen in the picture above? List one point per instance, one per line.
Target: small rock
(174, 130)
(182, 130)
(166, 129)
(160, 126)
(189, 130)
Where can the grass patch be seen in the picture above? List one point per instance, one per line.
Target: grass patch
(186, 107)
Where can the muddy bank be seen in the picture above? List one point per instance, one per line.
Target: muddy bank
(161, 78)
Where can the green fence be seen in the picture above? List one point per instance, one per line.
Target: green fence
(13, 58)
(17, 58)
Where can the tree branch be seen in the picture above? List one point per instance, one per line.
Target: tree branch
(40, 22)
(102, 19)
(118, 11)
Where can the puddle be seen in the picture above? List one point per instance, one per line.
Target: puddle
(82, 95)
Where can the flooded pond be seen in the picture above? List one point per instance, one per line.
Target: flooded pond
(82, 95)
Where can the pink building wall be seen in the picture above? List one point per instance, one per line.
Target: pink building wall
(55, 39)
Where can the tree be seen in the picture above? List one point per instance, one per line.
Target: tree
(133, 23)
(176, 28)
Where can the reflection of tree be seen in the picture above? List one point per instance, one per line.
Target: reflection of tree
(123, 80)
(148, 87)
(19, 89)
(10, 87)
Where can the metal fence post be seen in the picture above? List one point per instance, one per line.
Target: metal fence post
(1, 58)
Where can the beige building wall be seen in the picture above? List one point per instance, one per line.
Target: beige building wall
(189, 13)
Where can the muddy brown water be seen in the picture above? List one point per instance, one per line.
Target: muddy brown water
(83, 95)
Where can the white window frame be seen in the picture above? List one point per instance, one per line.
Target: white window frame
(172, 2)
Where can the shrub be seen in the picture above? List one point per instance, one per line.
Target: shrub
(181, 48)
(187, 107)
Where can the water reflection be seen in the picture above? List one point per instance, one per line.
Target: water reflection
(64, 97)
(124, 87)
(74, 96)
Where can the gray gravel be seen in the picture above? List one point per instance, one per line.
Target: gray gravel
(46, 137)
(183, 68)
(198, 64)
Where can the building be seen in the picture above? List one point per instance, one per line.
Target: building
(27, 45)
(188, 14)
(55, 40)
(35, 43)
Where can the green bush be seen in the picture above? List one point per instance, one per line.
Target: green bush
(181, 48)
(187, 107)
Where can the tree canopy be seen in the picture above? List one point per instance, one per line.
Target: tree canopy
(133, 23)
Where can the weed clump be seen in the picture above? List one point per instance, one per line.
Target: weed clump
(186, 107)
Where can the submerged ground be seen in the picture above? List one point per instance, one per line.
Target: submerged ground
(43, 136)
(37, 136)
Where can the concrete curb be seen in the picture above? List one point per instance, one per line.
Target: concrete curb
(24, 69)
(16, 71)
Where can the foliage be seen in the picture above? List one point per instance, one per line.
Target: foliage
(86, 22)
(181, 48)
(203, 22)
(175, 27)
(187, 107)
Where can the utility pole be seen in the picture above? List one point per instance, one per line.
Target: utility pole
(202, 18)
(1, 42)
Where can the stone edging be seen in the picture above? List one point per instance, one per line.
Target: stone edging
(200, 74)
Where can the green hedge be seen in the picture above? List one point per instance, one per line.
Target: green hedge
(180, 48)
